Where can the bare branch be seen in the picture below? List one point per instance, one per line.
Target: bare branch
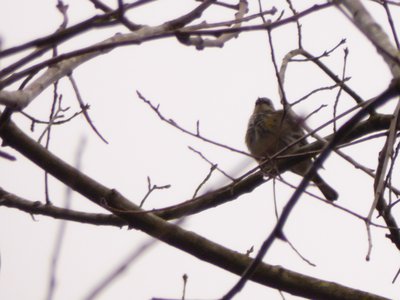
(201, 43)
(212, 169)
(171, 234)
(212, 164)
(64, 64)
(391, 23)
(174, 124)
(373, 31)
(38, 208)
(318, 90)
(82, 106)
(123, 266)
(61, 36)
(151, 188)
(390, 92)
(61, 230)
(299, 34)
(346, 53)
(299, 254)
(7, 156)
(59, 122)
(249, 183)
(185, 279)
(385, 155)
(189, 17)
(121, 9)
(67, 62)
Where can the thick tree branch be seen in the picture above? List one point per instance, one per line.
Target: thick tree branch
(277, 232)
(247, 185)
(211, 199)
(219, 41)
(173, 235)
(36, 207)
(63, 65)
(374, 32)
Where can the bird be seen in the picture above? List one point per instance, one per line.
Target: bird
(269, 131)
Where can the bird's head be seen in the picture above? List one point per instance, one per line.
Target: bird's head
(263, 105)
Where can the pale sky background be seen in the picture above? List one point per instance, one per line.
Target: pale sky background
(218, 87)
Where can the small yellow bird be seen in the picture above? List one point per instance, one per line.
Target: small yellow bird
(271, 130)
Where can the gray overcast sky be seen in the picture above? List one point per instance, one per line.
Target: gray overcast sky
(218, 87)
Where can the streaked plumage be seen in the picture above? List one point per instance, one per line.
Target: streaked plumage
(271, 130)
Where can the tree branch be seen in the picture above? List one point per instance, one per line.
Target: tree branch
(374, 32)
(173, 235)
(36, 207)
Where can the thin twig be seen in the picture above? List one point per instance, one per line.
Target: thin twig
(35, 120)
(274, 197)
(368, 256)
(123, 266)
(282, 295)
(56, 112)
(391, 23)
(395, 276)
(122, 9)
(362, 140)
(326, 53)
(194, 134)
(299, 254)
(211, 163)
(315, 111)
(62, 229)
(218, 40)
(318, 90)
(389, 93)
(333, 76)
(299, 34)
(223, 4)
(83, 106)
(385, 155)
(335, 105)
(151, 188)
(204, 25)
(61, 36)
(280, 76)
(7, 156)
(185, 280)
(388, 178)
(53, 115)
(260, 9)
(106, 46)
(212, 169)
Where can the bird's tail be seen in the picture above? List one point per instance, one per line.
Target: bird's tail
(329, 193)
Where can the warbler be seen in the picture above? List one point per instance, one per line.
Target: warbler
(269, 131)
